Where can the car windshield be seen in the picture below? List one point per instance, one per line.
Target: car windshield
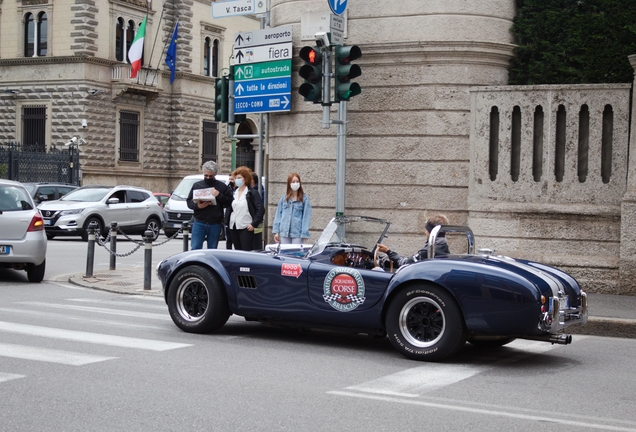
(86, 195)
(14, 198)
(183, 189)
(351, 230)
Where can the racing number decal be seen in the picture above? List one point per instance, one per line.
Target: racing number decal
(344, 289)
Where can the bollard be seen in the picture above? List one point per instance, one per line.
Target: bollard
(90, 255)
(147, 259)
(113, 244)
(186, 240)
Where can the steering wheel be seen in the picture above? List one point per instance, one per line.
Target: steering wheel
(375, 259)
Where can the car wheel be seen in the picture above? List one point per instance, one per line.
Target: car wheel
(50, 236)
(424, 323)
(35, 273)
(490, 343)
(93, 220)
(153, 225)
(197, 301)
(169, 233)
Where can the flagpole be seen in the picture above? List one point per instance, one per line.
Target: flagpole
(163, 51)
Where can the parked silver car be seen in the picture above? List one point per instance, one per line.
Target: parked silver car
(22, 237)
(134, 209)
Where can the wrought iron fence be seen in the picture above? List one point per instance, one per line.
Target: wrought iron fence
(33, 164)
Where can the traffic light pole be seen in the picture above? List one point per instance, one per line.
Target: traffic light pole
(341, 157)
(326, 88)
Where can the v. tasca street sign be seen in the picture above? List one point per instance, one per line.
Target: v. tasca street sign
(238, 7)
(262, 70)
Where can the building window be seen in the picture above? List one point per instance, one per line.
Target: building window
(130, 35)
(120, 40)
(215, 58)
(207, 53)
(129, 136)
(210, 134)
(34, 127)
(35, 35)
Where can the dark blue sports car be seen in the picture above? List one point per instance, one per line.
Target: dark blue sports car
(428, 309)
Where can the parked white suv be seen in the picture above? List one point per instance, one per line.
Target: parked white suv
(134, 209)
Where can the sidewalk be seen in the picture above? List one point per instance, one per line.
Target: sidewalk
(609, 315)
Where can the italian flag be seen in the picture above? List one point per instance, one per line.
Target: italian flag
(136, 49)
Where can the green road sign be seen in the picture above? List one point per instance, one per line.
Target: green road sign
(273, 69)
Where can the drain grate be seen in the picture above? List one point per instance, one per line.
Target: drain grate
(122, 283)
(107, 275)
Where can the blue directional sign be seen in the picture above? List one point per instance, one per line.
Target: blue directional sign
(262, 72)
(262, 104)
(338, 6)
(262, 87)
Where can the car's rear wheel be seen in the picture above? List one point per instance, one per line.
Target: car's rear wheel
(94, 221)
(424, 323)
(153, 225)
(35, 273)
(197, 300)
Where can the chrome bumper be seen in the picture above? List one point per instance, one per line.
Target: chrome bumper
(561, 316)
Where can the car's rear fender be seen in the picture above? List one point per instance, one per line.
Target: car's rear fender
(492, 299)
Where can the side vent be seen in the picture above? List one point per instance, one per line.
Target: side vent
(245, 281)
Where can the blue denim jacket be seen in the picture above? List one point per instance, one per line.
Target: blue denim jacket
(292, 218)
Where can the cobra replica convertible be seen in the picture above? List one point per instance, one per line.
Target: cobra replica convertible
(428, 309)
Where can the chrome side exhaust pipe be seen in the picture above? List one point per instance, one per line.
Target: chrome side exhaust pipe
(555, 338)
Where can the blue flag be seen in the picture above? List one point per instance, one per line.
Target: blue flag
(171, 55)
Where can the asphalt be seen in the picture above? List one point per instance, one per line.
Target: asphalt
(609, 315)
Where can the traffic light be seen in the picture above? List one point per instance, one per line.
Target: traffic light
(344, 72)
(311, 72)
(220, 99)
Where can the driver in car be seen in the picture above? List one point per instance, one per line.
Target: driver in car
(441, 245)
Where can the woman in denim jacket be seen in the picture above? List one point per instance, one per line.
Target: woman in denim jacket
(293, 214)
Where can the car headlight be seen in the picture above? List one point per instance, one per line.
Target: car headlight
(70, 212)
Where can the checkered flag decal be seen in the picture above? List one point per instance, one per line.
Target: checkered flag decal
(350, 297)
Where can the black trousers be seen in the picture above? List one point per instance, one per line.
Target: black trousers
(242, 239)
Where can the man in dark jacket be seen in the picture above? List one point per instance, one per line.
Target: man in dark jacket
(208, 212)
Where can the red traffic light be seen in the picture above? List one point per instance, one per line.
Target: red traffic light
(311, 55)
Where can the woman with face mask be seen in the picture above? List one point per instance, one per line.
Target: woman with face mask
(293, 214)
(246, 212)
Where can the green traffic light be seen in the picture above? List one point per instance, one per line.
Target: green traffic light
(344, 72)
(221, 99)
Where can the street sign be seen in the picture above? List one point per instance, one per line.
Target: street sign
(258, 54)
(269, 86)
(262, 70)
(263, 37)
(238, 7)
(336, 28)
(338, 6)
(262, 104)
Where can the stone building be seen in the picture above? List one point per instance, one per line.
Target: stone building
(64, 72)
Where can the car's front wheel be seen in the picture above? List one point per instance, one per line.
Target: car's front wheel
(35, 273)
(154, 226)
(423, 322)
(197, 300)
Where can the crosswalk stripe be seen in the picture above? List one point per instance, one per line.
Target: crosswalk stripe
(155, 303)
(49, 355)
(106, 311)
(9, 377)
(94, 338)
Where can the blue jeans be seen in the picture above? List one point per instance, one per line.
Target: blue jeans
(201, 231)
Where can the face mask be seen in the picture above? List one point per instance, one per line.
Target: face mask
(295, 186)
(238, 182)
(209, 181)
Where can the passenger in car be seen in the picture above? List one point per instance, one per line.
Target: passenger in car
(441, 245)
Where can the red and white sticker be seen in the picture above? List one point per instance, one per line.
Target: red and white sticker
(293, 270)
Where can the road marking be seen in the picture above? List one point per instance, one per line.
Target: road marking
(148, 315)
(136, 303)
(94, 338)
(49, 355)
(9, 377)
(498, 413)
(41, 314)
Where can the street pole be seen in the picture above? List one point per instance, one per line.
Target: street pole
(341, 158)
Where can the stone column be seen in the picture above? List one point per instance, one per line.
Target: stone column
(627, 267)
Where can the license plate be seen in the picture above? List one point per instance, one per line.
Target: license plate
(563, 303)
(48, 222)
(176, 225)
(4, 250)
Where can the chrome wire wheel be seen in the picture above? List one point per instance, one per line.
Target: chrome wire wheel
(422, 322)
(192, 299)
